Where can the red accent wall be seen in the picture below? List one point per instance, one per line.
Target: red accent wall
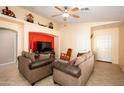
(34, 37)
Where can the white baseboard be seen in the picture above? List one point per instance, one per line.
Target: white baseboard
(7, 63)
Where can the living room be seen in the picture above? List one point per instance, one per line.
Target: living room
(21, 36)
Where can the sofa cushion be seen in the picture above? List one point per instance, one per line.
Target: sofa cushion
(86, 55)
(89, 54)
(41, 63)
(44, 56)
(67, 68)
(63, 61)
(28, 55)
(80, 59)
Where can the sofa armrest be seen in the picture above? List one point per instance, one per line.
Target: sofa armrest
(41, 63)
(23, 64)
(23, 61)
(67, 68)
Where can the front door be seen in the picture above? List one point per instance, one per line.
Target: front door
(103, 45)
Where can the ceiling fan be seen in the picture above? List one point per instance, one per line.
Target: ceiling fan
(66, 12)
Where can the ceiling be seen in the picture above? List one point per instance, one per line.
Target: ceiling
(95, 13)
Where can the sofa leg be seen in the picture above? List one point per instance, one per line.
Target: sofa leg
(33, 84)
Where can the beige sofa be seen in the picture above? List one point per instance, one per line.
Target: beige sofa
(76, 74)
(34, 70)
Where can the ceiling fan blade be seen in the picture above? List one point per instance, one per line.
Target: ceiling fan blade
(59, 9)
(75, 16)
(73, 10)
(56, 15)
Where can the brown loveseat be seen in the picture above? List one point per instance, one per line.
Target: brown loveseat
(32, 69)
(74, 74)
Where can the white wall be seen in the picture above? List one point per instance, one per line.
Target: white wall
(77, 36)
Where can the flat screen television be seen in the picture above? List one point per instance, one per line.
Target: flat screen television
(44, 46)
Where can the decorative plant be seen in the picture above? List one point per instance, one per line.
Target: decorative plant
(37, 53)
(30, 18)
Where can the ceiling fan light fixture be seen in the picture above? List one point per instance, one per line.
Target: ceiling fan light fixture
(65, 15)
(67, 12)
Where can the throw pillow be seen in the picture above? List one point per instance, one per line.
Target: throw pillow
(89, 54)
(31, 56)
(86, 55)
(80, 54)
(80, 59)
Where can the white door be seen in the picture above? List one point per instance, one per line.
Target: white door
(103, 44)
(7, 46)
